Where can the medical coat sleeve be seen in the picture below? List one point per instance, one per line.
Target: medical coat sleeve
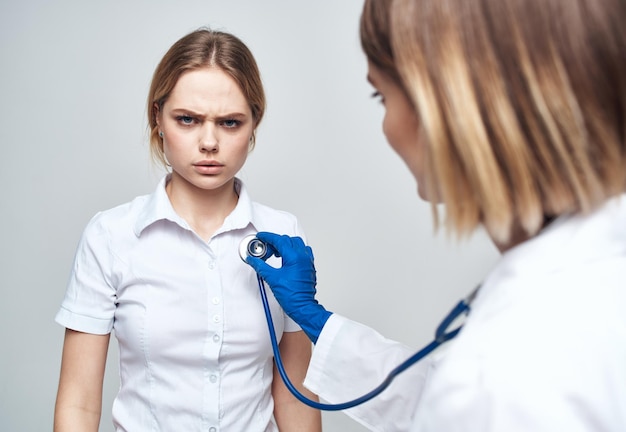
(351, 359)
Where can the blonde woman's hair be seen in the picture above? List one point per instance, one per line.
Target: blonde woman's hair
(198, 49)
(522, 105)
(376, 37)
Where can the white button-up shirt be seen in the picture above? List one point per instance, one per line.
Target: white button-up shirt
(543, 348)
(194, 346)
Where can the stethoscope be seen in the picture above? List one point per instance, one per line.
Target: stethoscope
(251, 246)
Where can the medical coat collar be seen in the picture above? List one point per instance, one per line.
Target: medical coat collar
(605, 228)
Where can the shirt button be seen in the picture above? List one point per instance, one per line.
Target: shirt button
(216, 318)
(212, 429)
(216, 338)
(211, 265)
(216, 300)
(213, 378)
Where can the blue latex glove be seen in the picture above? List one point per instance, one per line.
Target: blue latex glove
(293, 284)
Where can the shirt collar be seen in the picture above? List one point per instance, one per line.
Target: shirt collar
(158, 207)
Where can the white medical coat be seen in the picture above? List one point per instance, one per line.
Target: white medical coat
(543, 349)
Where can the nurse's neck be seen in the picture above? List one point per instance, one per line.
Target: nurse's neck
(519, 236)
(514, 241)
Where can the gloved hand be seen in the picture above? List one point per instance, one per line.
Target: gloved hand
(293, 284)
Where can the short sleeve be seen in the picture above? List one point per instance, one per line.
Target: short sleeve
(90, 299)
(290, 325)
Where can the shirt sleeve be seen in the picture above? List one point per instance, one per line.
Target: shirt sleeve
(90, 298)
(290, 325)
(350, 359)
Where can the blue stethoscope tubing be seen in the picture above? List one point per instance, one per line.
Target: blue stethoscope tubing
(441, 336)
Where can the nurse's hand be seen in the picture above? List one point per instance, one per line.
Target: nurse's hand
(293, 284)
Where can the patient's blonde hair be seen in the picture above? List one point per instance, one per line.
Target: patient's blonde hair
(522, 105)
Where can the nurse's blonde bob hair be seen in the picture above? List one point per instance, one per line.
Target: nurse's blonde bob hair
(521, 103)
(199, 49)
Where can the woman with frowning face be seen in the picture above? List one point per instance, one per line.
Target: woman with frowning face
(164, 270)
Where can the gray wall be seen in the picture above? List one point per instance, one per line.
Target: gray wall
(73, 133)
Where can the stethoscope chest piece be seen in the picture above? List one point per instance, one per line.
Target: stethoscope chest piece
(252, 246)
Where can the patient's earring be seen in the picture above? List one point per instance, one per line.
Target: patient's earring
(161, 134)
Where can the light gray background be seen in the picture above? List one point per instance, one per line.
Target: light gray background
(75, 75)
